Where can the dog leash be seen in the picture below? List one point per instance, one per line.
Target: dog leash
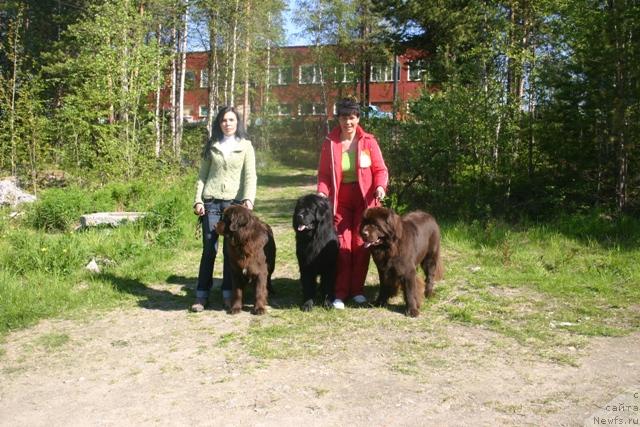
(198, 230)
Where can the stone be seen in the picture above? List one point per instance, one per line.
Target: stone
(12, 195)
(112, 219)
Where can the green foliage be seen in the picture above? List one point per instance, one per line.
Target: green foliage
(163, 221)
(104, 113)
(42, 273)
(52, 254)
(533, 111)
(292, 142)
(59, 209)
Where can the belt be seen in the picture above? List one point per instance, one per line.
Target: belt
(216, 200)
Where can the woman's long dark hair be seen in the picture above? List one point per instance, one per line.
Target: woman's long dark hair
(217, 133)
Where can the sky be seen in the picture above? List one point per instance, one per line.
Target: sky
(293, 39)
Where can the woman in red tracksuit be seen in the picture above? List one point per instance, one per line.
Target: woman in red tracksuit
(353, 175)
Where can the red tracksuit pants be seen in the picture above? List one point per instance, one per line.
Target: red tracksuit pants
(353, 257)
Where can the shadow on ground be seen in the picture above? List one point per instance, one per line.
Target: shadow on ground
(286, 293)
(151, 298)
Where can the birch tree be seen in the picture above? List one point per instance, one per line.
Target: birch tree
(113, 68)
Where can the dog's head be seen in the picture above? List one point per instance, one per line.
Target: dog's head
(311, 212)
(380, 227)
(234, 218)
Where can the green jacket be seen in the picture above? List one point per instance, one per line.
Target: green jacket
(228, 176)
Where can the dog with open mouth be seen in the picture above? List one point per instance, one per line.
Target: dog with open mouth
(316, 248)
(399, 244)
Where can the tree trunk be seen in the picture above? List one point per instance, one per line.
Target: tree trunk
(227, 56)
(620, 34)
(183, 71)
(247, 52)
(394, 106)
(33, 156)
(213, 71)
(234, 55)
(174, 88)
(14, 82)
(267, 86)
(158, 108)
(125, 60)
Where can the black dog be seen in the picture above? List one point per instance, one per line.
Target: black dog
(316, 247)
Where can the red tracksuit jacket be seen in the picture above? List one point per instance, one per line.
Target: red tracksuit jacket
(372, 172)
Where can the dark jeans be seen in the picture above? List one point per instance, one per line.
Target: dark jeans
(213, 213)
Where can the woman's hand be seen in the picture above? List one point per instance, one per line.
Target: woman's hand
(321, 194)
(198, 209)
(379, 193)
(248, 204)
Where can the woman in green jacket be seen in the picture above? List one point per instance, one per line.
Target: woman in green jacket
(227, 176)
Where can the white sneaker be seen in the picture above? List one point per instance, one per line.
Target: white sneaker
(360, 299)
(338, 304)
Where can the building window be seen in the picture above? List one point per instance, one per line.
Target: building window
(309, 74)
(382, 72)
(283, 110)
(345, 73)
(203, 111)
(204, 78)
(280, 76)
(311, 109)
(189, 80)
(417, 70)
(187, 115)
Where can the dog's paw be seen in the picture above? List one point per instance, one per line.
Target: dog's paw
(307, 306)
(413, 312)
(328, 303)
(235, 310)
(380, 303)
(258, 311)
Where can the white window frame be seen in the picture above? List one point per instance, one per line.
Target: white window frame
(386, 71)
(281, 110)
(204, 78)
(280, 76)
(200, 110)
(342, 72)
(315, 79)
(317, 109)
(420, 66)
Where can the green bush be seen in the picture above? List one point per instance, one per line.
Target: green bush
(163, 221)
(58, 209)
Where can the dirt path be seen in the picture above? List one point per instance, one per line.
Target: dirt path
(168, 367)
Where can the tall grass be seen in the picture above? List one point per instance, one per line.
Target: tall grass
(577, 273)
(43, 260)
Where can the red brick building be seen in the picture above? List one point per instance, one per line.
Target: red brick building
(295, 88)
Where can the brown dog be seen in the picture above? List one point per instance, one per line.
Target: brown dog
(398, 245)
(252, 252)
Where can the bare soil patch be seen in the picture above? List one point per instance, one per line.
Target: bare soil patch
(149, 366)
